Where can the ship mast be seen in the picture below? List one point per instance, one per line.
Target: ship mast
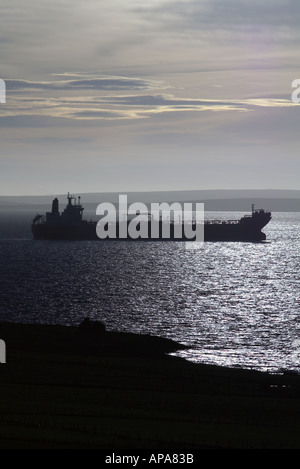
(70, 197)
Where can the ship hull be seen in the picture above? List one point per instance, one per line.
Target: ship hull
(212, 232)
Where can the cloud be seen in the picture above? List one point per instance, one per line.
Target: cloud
(217, 15)
(95, 83)
(154, 37)
(120, 107)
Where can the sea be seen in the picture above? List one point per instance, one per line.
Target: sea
(234, 304)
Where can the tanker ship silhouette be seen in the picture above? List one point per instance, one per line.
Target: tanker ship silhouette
(70, 225)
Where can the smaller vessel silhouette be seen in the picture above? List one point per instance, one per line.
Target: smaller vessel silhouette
(69, 225)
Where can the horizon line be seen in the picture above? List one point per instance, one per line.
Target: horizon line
(149, 191)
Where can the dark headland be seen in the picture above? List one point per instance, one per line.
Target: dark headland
(70, 387)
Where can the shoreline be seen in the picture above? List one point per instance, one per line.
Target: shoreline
(63, 387)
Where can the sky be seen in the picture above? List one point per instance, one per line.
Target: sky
(136, 95)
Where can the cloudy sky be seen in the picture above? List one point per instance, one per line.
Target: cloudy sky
(125, 95)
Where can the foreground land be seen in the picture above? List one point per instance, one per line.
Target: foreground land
(66, 388)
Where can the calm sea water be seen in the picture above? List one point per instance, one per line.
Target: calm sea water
(233, 304)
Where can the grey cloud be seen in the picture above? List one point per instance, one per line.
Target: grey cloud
(214, 17)
(101, 83)
(163, 100)
(173, 103)
(113, 108)
(96, 114)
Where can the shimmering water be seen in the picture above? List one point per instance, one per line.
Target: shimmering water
(233, 304)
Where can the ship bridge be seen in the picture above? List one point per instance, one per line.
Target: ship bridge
(71, 216)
